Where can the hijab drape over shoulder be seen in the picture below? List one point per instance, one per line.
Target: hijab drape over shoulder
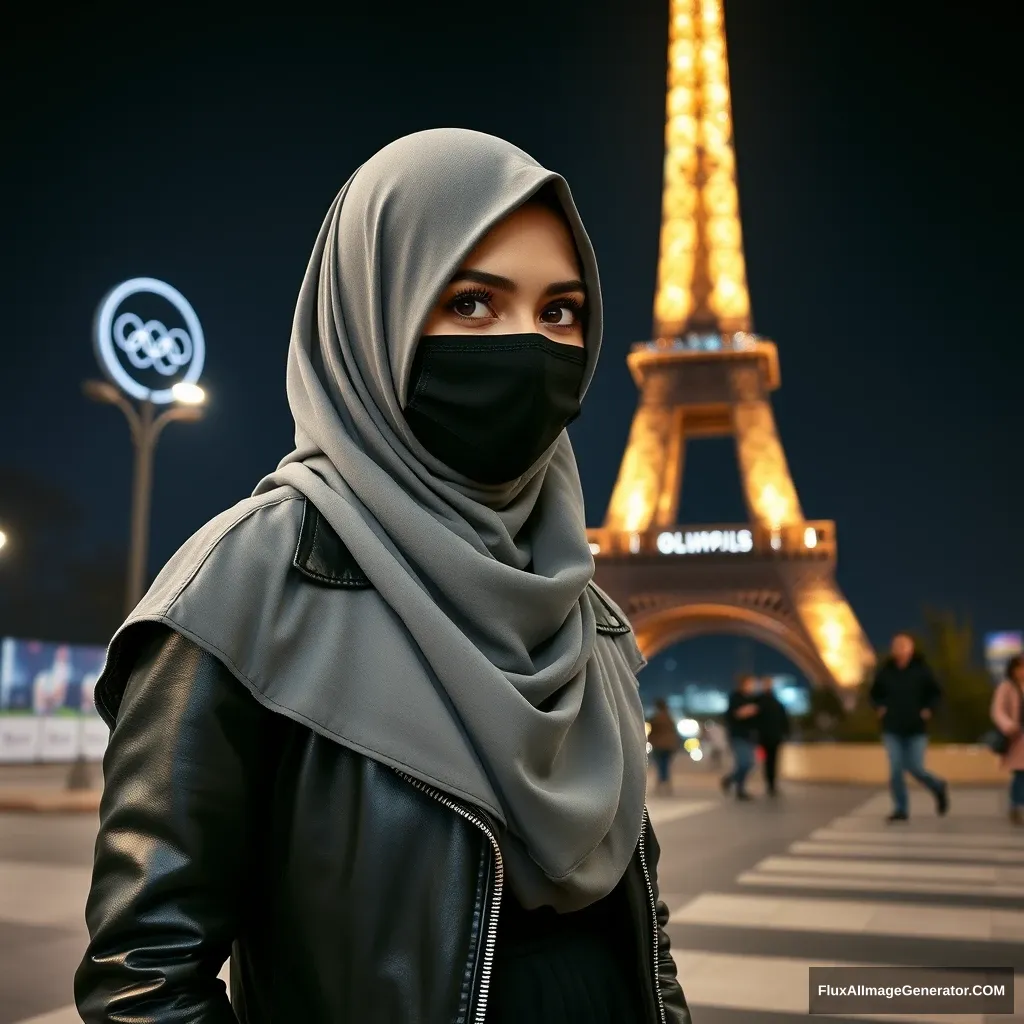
(473, 663)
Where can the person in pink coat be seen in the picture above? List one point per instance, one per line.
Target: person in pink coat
(1008, 718)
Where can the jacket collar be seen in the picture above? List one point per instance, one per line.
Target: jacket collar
(322, 556)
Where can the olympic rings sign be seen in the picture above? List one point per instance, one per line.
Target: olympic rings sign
(148, 345)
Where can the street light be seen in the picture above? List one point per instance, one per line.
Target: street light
(188, 394)
(145, 426)
(3, 540)
(126, 343)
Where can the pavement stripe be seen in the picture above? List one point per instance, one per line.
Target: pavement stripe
(839, 883)
(961, 825)
(959, 831)
(920, 851)
(662, 812)
(770, 984)
(994, 874)
(969, 803)
(854, 917)
(896, 834)
(893, 869)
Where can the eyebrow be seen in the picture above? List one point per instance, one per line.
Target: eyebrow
(506, 284)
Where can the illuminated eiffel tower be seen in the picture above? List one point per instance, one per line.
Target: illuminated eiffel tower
(706, 375)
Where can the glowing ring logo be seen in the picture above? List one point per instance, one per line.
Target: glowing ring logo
(148, 345)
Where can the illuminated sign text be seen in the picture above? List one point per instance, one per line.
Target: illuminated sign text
(706, 542)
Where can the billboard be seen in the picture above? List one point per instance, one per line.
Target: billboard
(47, 712)
(999, 649)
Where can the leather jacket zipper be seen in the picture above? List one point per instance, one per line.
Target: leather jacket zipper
(654, 918)
(490, 940)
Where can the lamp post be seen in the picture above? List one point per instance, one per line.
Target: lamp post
(145, 426)
(125, 344)
(127, 347)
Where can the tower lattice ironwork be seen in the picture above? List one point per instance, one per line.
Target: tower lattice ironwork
(706, 374)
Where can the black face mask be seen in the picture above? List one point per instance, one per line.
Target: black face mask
(490, 407)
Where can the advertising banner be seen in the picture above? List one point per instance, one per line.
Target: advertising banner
(19, 738)
(47, 711)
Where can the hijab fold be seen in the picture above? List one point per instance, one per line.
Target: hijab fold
(474, 663)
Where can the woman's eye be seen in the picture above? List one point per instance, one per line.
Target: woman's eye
(470, 308)
(562, 314)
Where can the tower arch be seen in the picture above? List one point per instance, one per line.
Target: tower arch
(655, 633)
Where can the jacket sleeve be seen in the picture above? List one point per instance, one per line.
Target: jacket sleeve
(676, 1009)
(170, 870)
(933, 691)
(877, 695)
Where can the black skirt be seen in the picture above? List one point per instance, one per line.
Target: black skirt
(575, 968)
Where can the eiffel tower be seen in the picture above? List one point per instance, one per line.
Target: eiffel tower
(704, 375)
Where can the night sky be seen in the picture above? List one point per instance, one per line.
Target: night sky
(880, 192)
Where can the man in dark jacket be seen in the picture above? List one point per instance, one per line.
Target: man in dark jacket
(905, 694)
(772, 731)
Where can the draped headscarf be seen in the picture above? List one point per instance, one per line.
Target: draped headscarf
(474, 663)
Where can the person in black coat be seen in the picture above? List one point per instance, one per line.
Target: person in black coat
(905, 693)
(741, 722)
(772, 730)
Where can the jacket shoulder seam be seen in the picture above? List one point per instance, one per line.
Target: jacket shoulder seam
(200, 562)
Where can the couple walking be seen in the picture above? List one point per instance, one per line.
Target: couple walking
(755, 717)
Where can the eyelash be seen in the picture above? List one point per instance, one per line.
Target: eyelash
(483, 295)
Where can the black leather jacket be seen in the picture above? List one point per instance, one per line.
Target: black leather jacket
(341, 890)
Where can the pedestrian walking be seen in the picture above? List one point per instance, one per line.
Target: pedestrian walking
(1008, 718)
(744, 709)
(376, 734)
(664, 741)
(773, 729)
(905, 694)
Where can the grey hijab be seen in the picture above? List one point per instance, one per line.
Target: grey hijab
(474, 663)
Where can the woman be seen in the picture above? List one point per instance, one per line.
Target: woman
(1008, 718)
(376, 735)
(664, 740)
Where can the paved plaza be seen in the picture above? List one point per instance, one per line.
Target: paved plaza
(758, 893)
